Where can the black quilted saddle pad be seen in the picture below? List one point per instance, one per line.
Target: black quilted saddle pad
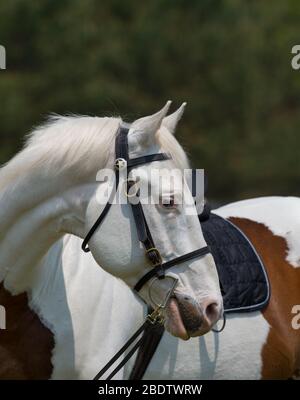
(243, 278)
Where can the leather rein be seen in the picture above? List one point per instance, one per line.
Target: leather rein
(154, 320)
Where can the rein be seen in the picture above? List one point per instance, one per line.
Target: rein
(155, 318)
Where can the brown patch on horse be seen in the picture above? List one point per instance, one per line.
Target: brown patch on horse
(26, 344)
(281, 352)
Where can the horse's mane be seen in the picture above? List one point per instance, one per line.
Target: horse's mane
(80, 144)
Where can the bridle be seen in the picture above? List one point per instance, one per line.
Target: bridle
(144, 235)
(153, 255)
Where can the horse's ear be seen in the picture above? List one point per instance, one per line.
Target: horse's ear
(144, 129)
(171, 121)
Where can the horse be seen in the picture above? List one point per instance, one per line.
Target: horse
(69, 312)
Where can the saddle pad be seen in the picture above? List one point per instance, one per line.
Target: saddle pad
(243, 278)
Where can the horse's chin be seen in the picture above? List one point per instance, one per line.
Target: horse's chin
(174, 324)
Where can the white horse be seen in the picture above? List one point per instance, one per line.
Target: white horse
(49, 199)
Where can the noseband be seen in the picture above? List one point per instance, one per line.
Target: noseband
(152, 254)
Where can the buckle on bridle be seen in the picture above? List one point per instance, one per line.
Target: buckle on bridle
(128, 185)
(157, 315)
(153, 251)
(120, 163)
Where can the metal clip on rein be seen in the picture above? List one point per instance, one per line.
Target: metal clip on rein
(156, 317)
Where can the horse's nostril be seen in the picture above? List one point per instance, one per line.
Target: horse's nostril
(212, 311)
(189, 311)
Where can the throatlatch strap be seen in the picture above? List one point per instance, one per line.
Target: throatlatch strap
(121, 151)
(99, 221)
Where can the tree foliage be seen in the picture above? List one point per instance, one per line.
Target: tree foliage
(229, 59)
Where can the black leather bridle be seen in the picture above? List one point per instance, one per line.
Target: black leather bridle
(144, 235)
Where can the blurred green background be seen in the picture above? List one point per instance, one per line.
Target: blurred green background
(230, 60)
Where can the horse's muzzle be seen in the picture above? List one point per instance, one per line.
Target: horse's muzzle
(186, 317)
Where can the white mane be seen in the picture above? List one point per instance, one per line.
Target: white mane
(76, 145)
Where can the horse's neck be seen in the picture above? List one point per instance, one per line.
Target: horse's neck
(91, 313)
(86, 309)
(35, 214)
